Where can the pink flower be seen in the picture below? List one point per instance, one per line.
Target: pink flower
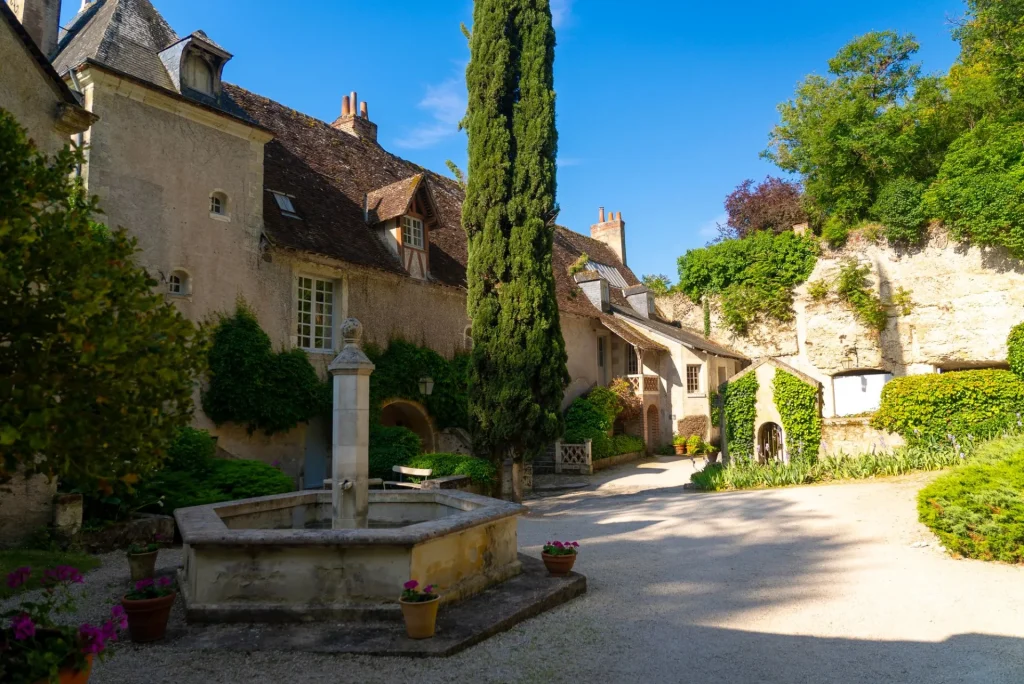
(18, 577)
(576, 545)
(120, 617)
(63, 573)
(429, 589)
(164, 582)
(109, 631)
(144, 584)
(23, 626)
(411, 585)
(558, 545)
(91, 639)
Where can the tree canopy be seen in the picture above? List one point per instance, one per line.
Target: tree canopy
(774, 205)
(96, 369)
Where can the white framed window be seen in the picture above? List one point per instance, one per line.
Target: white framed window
(219, 206)
(600, 352)
(632, 362)
(285, 204)
(315, 309)
(179, 284)
(198, 74)
(693, 379)
(412, 232)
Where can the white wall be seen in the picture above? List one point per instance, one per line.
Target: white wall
(858, 393)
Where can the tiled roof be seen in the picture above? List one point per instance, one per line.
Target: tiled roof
(631, 335)
(689, 338)
(392, 201)
(330, 173)
(782, 365)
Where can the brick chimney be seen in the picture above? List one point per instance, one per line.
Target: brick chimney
(41, 19)
(611, 232)
(353, 123)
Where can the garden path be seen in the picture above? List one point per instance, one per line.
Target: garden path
(834, 583)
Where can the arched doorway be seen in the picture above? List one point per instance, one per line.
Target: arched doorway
(412, 416)
(771, 445)
(653, 428)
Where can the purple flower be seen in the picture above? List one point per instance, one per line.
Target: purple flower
(429, 589)
(18, 577)
(164, 582)
(576, 545)
(23, 626)
(91, 639)
(109, 631)
(144, 584)
(63, 573)
(411, 585)
(558, 545)
(120, 617)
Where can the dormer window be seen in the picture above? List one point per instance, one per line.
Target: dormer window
(285, 204)
(198, 74)
(412, 232)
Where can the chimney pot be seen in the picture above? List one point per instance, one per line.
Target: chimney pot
(346, 106)
(600, 215)
(355, 102)
(618, 216)
(363, 111)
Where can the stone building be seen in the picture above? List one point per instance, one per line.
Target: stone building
(232, 195)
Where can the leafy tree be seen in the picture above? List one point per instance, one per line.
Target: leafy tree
(518, 373)
(874, 120)
(900, 210)
(658, 284)
(96, 369)
(775, 205)
(993, 36)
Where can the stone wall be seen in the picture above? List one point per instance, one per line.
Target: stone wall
(964, 301)
(855, 436)
(26, 504)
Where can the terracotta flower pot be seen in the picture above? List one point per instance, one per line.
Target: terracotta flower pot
(713, 457)
(420, 617)
(142, 565)
(72, 676)
(147, 618)
(559, 566)
(680, 449)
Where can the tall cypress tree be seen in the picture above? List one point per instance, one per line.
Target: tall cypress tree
(518, 375)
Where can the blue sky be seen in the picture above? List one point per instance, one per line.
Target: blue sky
(663, 105)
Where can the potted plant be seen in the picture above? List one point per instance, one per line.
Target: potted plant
(559, 557)
(679, 444)
(148, 607)
(142, 559)
(693, 444)
(419, 608)
(35, 649)
(710, 451)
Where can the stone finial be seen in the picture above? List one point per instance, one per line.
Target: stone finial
(352, 332)
(351, 359)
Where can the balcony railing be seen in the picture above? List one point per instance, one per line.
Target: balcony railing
(643, 384)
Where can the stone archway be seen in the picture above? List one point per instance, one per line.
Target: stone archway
(653, 428)
(412, 416)
(771, 444)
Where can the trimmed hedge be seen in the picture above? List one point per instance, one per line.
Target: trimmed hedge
(220, 480)
(391, 446)
(965, 403)
(480, 471)
(978, 510)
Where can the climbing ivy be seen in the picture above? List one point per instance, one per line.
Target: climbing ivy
(798, 405)
(251, 385)
(1015, 350)
(740, 412)
(397, 376)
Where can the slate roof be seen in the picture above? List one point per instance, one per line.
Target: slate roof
(689, 338)
(127, 36)
(782, 365)
(392, 201)
(631, 335)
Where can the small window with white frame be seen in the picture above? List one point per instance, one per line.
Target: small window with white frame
(693, 379)
(315, 308)
(179, 284)
(219, 205)
(285, 204)
(412, 232)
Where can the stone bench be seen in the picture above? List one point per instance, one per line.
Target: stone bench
(462, 482)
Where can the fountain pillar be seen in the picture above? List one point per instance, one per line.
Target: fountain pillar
(350, 419)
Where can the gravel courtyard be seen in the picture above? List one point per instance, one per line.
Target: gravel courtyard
(833, 583)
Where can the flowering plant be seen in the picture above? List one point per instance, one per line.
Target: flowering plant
(411, 592)
(557, 548)
(138, 548)
(33, 647)
(151, 589)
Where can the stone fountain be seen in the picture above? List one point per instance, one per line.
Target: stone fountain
(344, 553)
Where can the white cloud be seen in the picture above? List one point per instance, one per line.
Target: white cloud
(446, 104)
(709, 229)
(561, 12)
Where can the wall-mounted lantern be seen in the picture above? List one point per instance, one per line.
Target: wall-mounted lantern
(426, 385)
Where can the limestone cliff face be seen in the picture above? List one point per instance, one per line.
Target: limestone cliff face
(964, 302)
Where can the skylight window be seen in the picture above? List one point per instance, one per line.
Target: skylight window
(609, 273)
(284, 203)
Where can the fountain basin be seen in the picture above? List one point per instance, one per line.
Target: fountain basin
(264, 560)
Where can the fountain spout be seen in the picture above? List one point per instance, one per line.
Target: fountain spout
(351, 371)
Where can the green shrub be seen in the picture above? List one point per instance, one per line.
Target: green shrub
(397, 376)
(978, 509)
(740, 413)
(747, 474)
(1015, 350)
(480, 471)
(625, 444)
(224, 480)
(852, 288)
(754, 276)
(606, 401)
(899, 209)
(798, 405)
(979, 192)
(192, 451)
(391, 446)
(251, 385)
(930, 407)
(835, 232)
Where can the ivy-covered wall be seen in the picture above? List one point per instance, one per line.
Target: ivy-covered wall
(397, 376)
(740, 412)
(797, 403)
